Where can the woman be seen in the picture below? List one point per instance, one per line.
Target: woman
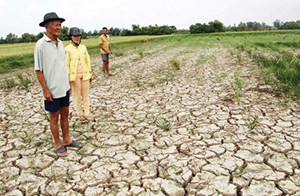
(80, 74)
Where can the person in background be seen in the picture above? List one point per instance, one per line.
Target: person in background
(105, 49)
(51, 72)
(80, 74)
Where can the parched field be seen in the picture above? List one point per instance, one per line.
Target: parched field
(181, 115)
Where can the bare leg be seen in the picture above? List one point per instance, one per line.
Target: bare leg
(106, 68)
(103, 68)
(64, 122)
(54, 128)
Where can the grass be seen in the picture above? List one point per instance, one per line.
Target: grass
(136, 79)
(175, 63)
(141, 54)
(285, 67)
(276, 51)
(21, 80)
(24, 81)
(237, 87)
(252, 122)
(14, 57)
(15, 62)
(8, 84)
(163, 123)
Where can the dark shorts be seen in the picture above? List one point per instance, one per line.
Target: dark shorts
(105, 57)
(56, 104)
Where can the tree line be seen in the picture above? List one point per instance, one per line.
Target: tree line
(217, 26)
(211, 27)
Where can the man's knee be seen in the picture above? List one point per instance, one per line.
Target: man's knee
(64, 112)
(54, 116)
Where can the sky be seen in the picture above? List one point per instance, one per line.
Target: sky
(24, 16)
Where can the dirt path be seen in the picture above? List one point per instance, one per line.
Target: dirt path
(159, 131)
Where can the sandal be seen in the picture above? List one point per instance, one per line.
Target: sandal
(73, 144)
(61, 151)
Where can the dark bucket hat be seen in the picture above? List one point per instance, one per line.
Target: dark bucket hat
(74, 31)
(49, 17)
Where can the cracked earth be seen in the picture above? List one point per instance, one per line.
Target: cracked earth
(158, 130)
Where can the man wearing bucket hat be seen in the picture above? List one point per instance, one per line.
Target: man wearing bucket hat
(49, 65)
(80, 73)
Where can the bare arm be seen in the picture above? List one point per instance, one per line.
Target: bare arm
(46, 91)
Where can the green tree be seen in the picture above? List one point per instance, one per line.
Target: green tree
(200, 28)
(64, 33)
(136, 30)
(95, 33)
(242, 26)
(277, 24)
(2, 41)
(11, 38)
(26, 37)
(114, 31)
(216, 26)
(40, 35)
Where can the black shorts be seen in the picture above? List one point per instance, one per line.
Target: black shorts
(56, 104)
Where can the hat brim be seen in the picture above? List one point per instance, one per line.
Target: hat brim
(42, 24)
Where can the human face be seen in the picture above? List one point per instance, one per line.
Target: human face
(104, 31)
(76, 38)
(53, 28)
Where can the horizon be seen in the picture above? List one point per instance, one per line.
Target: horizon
(94, 14)
(187, 29)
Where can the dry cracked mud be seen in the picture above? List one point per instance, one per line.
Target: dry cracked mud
(159, 130)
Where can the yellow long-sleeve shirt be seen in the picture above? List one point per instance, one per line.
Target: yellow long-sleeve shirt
(73, 54)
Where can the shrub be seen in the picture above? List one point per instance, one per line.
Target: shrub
(8, 84)
(175, 64)
(24, 81)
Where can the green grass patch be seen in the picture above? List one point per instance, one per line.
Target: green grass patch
(237, 86)
(14, 63)
(8, 84)
(285, 67)
(24, 80)
(175, 63)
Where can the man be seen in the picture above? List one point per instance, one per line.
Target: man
(51, 72)
(105, 48)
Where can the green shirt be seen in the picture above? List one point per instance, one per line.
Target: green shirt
(50, 59)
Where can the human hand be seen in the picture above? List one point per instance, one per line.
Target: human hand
(48, 96)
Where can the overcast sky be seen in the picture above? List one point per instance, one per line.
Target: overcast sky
(18, 17)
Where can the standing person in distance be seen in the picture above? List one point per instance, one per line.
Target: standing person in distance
(51, 72)
(105, 48)
(80, 73)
